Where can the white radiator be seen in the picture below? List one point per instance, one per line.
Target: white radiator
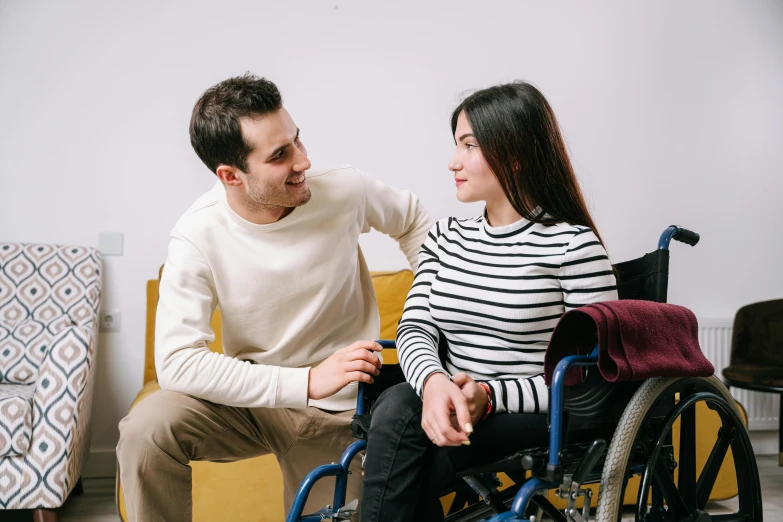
(715, 340)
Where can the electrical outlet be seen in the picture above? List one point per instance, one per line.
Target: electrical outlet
(110, 320)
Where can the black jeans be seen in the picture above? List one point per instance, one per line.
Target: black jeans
(405, 473)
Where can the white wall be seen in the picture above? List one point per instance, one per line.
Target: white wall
(672, 111)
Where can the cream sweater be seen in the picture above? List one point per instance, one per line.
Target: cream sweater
(291, 293)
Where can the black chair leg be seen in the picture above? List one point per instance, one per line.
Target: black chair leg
(78, 489)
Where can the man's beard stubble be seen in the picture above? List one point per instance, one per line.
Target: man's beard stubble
(262, 197)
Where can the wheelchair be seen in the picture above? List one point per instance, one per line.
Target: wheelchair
(637, 418)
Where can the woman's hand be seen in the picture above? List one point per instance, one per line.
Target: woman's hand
(474, 393)
(441, 397)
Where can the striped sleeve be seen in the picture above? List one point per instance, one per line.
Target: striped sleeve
(527, 395)
(417, 335)
(586, 275)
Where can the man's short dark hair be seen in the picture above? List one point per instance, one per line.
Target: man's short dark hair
(214, 126)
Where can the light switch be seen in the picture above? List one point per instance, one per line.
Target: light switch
(110, 243)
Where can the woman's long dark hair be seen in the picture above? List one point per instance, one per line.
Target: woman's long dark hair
(520, 139)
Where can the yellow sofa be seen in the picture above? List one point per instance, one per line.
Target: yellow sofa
(252, 490)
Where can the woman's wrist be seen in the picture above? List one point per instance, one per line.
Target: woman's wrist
(490, 401)
(433, 377)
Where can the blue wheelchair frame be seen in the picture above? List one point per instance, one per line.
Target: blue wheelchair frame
(339, 470)
(529, 488)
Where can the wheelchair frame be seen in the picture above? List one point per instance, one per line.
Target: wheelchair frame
(569, 485)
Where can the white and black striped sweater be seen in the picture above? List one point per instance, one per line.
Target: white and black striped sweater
(496, 294)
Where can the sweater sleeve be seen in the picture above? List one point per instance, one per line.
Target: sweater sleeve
(417, 335)
(182, 331)
(397, 213)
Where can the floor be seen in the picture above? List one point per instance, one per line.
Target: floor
(771, 476)
(97, 502)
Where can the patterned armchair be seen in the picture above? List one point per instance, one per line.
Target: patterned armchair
(49, 299)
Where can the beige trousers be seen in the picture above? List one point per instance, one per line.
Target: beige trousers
(167, 430)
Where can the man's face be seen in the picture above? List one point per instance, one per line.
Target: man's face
(277, 163)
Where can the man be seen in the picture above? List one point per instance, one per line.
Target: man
(275, 246)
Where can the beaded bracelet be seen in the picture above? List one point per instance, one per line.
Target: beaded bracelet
(489, 398)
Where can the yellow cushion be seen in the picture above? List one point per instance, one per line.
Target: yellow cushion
(391, 290)
(149, 337)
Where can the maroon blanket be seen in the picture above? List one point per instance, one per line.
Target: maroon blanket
(637, 339)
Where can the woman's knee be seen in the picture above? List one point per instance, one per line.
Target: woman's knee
(399, 401)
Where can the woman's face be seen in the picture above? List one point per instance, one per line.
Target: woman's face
(475, 181)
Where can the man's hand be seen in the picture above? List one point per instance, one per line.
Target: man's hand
(355, 363)
(474, 393)
(441, 397)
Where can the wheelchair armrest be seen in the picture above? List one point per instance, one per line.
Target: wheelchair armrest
(361, 395)
(556, 407)
(391, 375)
(367, 394)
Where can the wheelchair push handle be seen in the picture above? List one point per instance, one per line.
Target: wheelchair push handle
(686, 236)
(680, 234)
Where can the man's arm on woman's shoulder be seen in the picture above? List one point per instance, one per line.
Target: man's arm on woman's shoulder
(397, 213)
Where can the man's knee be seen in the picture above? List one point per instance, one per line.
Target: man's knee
(151, 424)
(399, 401)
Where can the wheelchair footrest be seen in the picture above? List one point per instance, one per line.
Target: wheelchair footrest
(513, 463)
(343, 513)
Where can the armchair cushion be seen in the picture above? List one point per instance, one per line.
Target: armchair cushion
(23, 346)
(16, 418)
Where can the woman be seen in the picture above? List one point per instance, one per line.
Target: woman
(492, 289)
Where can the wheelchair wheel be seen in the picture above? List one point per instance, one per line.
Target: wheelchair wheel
(642, 445)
